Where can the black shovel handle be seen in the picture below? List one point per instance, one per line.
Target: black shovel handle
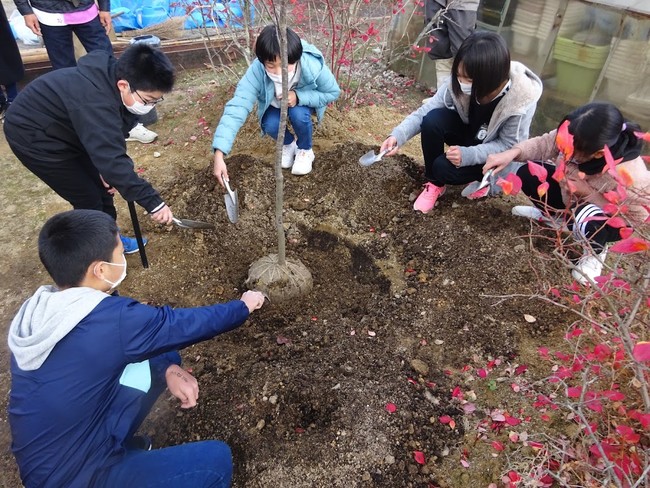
(138, 235)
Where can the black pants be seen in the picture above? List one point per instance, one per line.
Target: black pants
(59, 45)
(76, 180)
(587, 220)
(441, 126)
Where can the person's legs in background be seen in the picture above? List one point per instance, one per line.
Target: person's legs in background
(59, 45)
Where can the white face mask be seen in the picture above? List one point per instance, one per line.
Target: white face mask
(138, 108)
(115, 284)
(278, 78)
(466, 88)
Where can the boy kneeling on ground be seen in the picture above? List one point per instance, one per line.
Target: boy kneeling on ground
(87, 367)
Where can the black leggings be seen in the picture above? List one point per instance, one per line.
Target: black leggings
(76, 180)
(441, 126)
(587, 221)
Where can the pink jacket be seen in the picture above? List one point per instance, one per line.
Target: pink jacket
(543, 148)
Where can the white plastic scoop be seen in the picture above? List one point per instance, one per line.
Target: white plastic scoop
(478, 189)
(371, 158)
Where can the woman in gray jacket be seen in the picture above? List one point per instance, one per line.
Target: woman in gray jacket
(486, 106)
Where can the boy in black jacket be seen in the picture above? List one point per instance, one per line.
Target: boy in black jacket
(68, 128)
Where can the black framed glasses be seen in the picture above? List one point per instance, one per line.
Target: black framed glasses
(148, 102)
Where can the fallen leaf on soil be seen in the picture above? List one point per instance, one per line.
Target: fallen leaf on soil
(497, 446)
(464, 463)
(372, 333)
(469, 408)
(513, 436)
(419, 457)
(529, 318)
(282, 340)
(391, 408)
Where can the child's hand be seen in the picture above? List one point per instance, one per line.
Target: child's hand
(389, 143)
(253, 300)
(163, 216)
(182, 385)
(292, 98)
(220, 170)
(454, 155)
(500, 160)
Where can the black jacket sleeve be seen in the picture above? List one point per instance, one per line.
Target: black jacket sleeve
(104, 142)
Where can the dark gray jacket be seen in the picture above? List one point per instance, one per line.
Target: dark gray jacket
(59, 6)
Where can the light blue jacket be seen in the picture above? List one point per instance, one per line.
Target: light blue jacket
(316, 88)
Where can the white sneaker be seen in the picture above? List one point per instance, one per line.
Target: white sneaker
(141, 134)
(589, 266)
(527, 212)
(303, 162)
(533, 213)
(288, 154)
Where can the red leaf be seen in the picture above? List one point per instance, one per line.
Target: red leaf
(641, 351)
(419, 457)
(564, 140)
(643, 135)
(538, 170)
(521, 369)
(616, 222)
(457, 393)
(482, 373)
(511, 185)
(391, 408)
(512, 421)
(542, 189)
(574, 392)
(631, 245)
(628, 434)
(559, 173)
(445, 419)
(626, 232)
(514, 476)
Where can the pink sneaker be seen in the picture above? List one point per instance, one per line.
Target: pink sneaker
(428, 198)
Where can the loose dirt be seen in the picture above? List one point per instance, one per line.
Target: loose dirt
(299, 391)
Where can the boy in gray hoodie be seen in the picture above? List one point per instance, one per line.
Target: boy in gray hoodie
(88, 365)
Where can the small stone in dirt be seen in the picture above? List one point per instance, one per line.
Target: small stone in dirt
(411, 291)
(273, 399)
(260, 425)
(420, 366)
(438, 342)
(389, 459)
(156, 154)
(520, 248)
(413, 470)
(446, 281)
(366, 476)
(454, 205)
(423, 277)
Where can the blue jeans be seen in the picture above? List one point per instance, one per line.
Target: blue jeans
(300, 118)
(59, 46)
(206, 464)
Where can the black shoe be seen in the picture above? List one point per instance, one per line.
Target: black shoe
(141, 442)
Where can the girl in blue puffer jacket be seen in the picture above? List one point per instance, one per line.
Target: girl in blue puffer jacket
(311, 87)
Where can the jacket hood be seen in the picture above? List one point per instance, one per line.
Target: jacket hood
(46, 318)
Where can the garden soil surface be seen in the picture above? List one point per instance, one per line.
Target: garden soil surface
(400, 301)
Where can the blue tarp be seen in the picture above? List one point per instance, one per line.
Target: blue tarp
(137, 14)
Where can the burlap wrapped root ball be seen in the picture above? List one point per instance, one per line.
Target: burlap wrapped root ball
(279, 282)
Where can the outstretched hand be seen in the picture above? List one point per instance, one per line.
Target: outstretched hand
(253, 300)
(500, 160)
(390, 142)
(182, 385)
(220, 169)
